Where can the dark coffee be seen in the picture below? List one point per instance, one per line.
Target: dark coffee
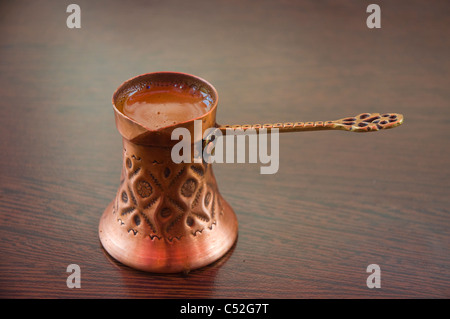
(165, 104)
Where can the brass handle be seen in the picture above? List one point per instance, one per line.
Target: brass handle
(365, 122)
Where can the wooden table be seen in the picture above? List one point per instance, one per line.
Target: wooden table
(339, 202)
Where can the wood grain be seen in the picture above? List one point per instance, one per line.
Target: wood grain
(339, 202)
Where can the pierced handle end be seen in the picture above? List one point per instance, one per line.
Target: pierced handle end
(369, 122)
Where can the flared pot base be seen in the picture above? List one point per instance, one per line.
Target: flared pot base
(168, 255)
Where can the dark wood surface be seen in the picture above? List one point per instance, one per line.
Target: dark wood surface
(339, 202)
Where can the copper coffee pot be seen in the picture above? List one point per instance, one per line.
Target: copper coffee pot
(169, 217)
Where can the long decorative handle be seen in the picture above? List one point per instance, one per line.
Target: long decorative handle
(365, 122)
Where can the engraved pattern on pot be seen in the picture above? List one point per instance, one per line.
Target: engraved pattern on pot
(165, 200)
